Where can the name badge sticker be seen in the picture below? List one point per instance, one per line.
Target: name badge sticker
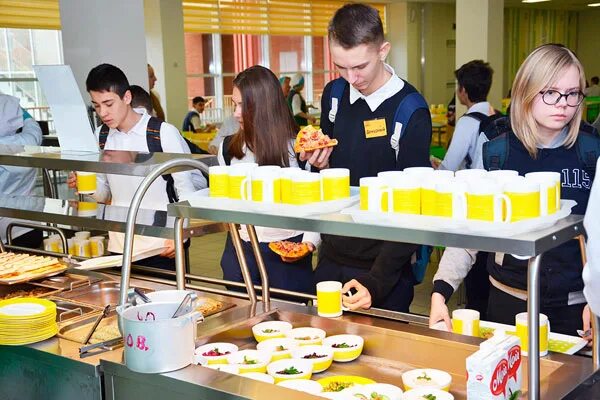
(375, 128)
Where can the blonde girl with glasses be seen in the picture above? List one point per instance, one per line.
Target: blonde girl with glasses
(544, 133)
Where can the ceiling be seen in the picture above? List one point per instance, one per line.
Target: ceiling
(553, 4)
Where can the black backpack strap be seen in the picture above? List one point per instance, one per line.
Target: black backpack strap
(154, 146)
(477, 115)
(103, 135)
(588, 148)
(495, 152)
(226, 153)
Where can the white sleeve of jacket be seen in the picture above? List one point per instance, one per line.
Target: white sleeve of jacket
(170, 141)
(591, 272)
(455, 265)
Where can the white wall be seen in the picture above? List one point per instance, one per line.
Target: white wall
(107, 31)
(397, 35)
(166, 53)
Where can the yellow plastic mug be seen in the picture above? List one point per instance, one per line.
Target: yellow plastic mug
(371, 194)
(266, 184)
(486, 202)
(86, 182)
(522, 332)
(335, 183)
(524, 197)
(218, 181)
(329, 299)
(240, 187)
(428, 194)
(450, 199)
(306, 188)
(550, 184)
(465, 322)
(404, 195)
(286, 183)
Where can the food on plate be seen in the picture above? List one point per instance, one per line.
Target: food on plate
(307, 335)
(425, 393)
(14, 265)
(486, 333)
(215, 353)
(290, 250)
(269, 331)
(306, 338)
(290, 371)
(249, 361)
(426, 378)
(25, 293)
(208, 306)
(372, 396)
(309, 138)
(280, 348)
(378, 391)
(430, 396)
(314, 355)
(337, 386)
(343, 346)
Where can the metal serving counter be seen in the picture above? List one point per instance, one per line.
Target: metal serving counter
(105, 161)
(154, 223)
(531, 245)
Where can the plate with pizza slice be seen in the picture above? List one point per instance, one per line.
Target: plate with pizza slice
(310, 138)
(290, 251)
(18, 268)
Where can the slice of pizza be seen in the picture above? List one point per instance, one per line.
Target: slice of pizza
(289, 251)
(309, 139)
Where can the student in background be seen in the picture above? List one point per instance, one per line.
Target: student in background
(18, 128)
(297, 103)
(591, 272)
(545, 133)
(266, 137)
(156, 107)
(594, 89)
(193, 120)
(285, 85)
(229, 127)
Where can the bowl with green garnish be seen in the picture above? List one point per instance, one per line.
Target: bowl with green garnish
(250, 360)
(426, 377)
(424, 393)
(270, 330)
(287, 369)
(345, 347)
(280, 348)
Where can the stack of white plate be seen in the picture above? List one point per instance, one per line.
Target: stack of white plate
(27, 320)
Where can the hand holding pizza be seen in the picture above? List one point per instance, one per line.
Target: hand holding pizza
(314, 146)
(291, 251)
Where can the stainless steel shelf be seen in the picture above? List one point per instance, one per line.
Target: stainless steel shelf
(527, 244)
(108, 218)
(107, 161)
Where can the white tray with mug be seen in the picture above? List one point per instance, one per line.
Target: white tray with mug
(202, 198)
(426, 222)
(558, 342)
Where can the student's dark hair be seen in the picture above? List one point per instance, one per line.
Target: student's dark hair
(356, 24)
(476, 77)
(268, 122)
(595, 80)
(140, 98)
(198, 99)
(107, 78)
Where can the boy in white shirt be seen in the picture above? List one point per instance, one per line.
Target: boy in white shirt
(124, 129)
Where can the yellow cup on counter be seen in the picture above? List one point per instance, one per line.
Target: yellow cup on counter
(306, 188)
(550, 185)
(487, 202)
(218, 181)
(86, 182)
(404, 195)
(450, 199)
(523, 334)
(372, 190)
(335, 183)
(329, 299)
(286, 183)
(266, 184)
(240, 181)
(524, 197)
(465, 322)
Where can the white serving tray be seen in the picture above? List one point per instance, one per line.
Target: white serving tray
(201, 199)
(425, 222)
(558, 343)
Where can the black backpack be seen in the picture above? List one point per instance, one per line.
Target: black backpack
(154, 146)
(485, 122)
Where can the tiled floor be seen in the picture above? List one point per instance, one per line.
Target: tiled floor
(205, 256)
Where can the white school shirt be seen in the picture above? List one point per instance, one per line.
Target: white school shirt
(591, 272)
(265, 234)
(121, 188)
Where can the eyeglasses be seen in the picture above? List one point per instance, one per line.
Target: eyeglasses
(552, 97)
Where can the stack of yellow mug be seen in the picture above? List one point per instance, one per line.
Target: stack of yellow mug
(273, 184)
(496, 196)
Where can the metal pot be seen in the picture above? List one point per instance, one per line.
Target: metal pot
(155, 342)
